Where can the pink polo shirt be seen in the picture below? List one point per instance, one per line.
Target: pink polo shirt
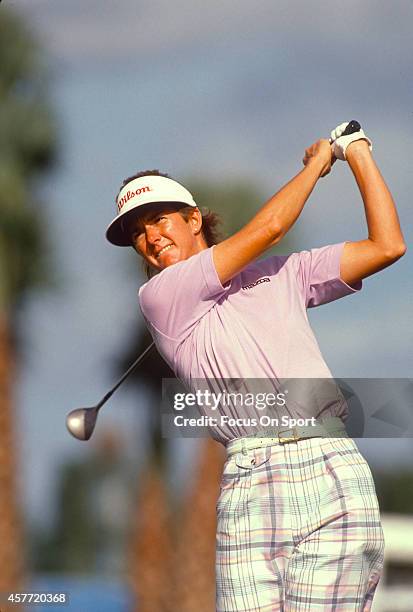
(254, 327)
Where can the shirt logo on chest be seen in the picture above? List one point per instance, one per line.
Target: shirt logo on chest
(264, 279)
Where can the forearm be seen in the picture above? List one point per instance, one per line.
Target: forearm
(381, 214)
(282, 210)
(274, 219)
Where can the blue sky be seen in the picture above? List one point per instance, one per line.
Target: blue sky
(217, 90)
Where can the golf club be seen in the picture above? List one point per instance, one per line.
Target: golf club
(352, 127)
(81, 421)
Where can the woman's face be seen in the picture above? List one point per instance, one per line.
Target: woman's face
(163, 237)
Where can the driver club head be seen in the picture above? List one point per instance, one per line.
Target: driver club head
(81, 422)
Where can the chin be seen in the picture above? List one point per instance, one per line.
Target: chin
(168, 264)
(169, 261)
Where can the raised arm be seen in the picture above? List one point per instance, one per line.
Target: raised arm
(275, 218)
(384, 244)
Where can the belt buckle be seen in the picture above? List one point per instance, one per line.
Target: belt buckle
(285, 439)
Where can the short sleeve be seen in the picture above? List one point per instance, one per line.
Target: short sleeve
(318, 275)
(176, 299)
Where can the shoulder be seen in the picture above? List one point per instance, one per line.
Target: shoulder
(273, 264)
(181, 293)
(196, 271)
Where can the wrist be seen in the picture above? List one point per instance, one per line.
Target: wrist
(316, 166)
(358, 148)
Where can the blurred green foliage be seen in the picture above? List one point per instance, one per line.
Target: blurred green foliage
(94, 497)
(395, 490)
(70, 546)
(235, 201)
(27, 148)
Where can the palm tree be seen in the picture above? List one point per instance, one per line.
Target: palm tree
(26, 149)
(190, 541)
(195, 533)
(151, 556)
(151, 553)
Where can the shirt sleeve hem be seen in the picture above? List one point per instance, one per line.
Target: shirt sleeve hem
(211, 275)
(334, 269)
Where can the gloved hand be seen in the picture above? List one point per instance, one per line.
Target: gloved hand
(340, 143)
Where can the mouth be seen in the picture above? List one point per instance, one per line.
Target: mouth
(165, 248)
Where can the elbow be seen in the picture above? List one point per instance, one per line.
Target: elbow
(395, 252)
(403, 249)
(275, 232)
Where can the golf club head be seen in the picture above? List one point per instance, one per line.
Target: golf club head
(81, 422)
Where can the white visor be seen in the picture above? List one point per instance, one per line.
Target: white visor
(140, 193)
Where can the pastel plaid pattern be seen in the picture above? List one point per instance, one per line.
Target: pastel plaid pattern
(298, 529)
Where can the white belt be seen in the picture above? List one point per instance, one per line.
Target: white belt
(332, 427)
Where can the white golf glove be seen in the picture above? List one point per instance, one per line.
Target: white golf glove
(340, 143)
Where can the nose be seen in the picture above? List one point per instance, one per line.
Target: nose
(152, 234)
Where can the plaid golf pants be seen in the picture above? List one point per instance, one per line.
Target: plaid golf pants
(298, 529)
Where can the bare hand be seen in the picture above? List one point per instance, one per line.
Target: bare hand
(320, 152)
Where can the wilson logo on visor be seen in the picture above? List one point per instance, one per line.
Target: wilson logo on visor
(131, 194)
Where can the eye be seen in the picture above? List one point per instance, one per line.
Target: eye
(135, 235)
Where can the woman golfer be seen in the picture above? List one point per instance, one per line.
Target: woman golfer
(298, 519)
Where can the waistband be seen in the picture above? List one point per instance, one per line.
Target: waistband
(332, 427)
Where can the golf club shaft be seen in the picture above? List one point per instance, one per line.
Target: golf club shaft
(125, 375)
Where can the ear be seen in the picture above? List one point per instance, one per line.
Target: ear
(195, 219)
